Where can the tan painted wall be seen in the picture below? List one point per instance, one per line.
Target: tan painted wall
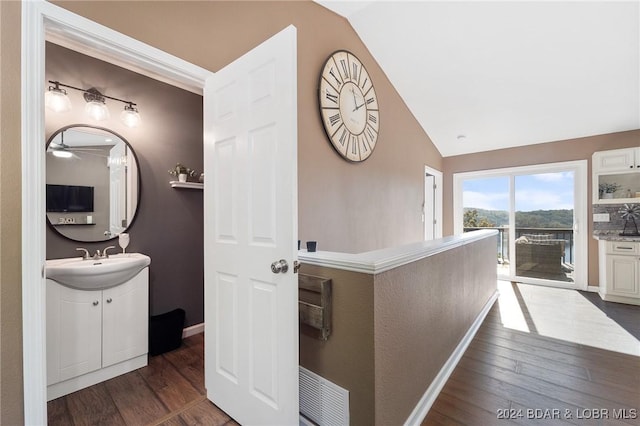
(345, 207)
(422, 311)
(346, 358)
(568, 150)
(394, 331)
(10, 218)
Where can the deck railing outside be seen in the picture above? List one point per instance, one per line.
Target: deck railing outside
(557, 234)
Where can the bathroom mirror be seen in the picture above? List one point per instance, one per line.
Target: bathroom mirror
(92, 183)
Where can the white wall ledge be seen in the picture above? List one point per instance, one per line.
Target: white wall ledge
(377, 261)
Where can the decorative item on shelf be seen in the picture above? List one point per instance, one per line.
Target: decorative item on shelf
(183, 173)
(57, 100)
(607, 189)
(630, 212)
(201, 178)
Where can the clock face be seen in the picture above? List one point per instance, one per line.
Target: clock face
(349, 106)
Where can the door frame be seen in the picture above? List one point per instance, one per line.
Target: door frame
(437, 200)
(42, 21)
(580, 226)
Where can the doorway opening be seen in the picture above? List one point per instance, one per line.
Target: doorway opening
(42, 21)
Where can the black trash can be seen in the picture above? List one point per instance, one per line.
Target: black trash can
(165, 331)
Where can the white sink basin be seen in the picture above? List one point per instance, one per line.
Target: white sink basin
(96, 274)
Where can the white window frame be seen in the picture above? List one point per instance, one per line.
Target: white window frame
(580, 226)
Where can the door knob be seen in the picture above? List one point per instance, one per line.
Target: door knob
(280, 266)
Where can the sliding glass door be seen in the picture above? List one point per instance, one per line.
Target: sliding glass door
(540, 213)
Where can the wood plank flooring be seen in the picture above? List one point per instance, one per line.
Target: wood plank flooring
(523, 376)
(528, 378)
(169, 392)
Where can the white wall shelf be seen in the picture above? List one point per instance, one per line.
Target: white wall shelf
(189, 185)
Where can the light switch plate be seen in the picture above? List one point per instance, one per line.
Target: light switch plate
(601, 217)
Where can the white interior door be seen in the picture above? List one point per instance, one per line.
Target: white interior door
(250, 202)
(429, 203)
(432, 207)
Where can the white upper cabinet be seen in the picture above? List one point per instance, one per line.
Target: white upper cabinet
(616, 176)
(616, 160)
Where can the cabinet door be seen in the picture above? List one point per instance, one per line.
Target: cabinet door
(622, 275)
(614, 160)
(74, 319)
(126, 320)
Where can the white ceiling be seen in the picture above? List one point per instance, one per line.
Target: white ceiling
(480, 76)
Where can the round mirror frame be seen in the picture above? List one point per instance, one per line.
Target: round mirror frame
(135, 158)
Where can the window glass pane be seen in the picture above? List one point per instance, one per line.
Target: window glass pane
(486, 205)
(544, 208)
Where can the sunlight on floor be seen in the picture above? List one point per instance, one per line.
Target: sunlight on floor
(562, 314)
(510, 312)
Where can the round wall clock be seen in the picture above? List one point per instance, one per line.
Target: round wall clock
(349, 106)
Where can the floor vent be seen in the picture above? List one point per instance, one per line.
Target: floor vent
(321, 401)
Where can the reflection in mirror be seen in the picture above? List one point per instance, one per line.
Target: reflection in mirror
(92, 183)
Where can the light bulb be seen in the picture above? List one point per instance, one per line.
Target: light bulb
(97, 110)
(56, 99)
(130, 116)
(62, 154)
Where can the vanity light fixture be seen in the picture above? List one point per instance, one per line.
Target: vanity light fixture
(57, 100)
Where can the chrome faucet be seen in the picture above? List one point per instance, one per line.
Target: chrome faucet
(104, 252)
(85, 255)
(97, 255)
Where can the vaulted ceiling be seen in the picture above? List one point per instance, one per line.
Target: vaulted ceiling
(480, 76)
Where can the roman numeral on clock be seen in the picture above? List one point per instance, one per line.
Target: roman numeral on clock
(334, 119)
(333, 98)
(338, 81)
(345, 68)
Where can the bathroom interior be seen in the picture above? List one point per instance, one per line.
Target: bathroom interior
(163, 223)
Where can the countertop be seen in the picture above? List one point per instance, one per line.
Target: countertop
(614, 236)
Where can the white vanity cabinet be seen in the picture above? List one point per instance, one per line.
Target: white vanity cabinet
(620, 271)
(95, 335)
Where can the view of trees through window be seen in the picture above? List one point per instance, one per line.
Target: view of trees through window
(481, 218)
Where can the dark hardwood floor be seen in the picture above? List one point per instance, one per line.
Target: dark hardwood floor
(169, 391)
(508, 376)
(524, 377)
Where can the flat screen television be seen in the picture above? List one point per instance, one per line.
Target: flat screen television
(69, 198)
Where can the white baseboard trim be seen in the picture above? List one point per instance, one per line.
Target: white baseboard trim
(424, 405)
(193, 330)
(593, 288)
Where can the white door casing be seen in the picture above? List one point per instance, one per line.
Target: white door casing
(250, 210)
